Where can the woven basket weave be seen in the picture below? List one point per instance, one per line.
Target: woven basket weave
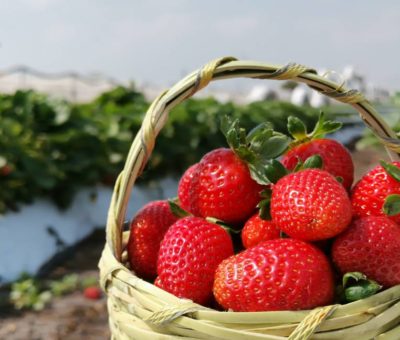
(139, 310)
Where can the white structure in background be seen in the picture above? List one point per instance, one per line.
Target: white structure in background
(33, 235)
(261, 92)
(352, 79)
(300, 95)
(68, 85)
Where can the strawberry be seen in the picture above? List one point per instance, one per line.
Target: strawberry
(227, 183)
(310, 205)
(371, 245)
(257, 230)
(222, 188)
(190, 252)
(280, 274)
(372, 194)
(336, 158)
(147, 230)
(184, 187)
(92, 293)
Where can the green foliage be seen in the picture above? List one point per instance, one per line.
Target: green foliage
(26, 294)
(30, 293)
(51, 148)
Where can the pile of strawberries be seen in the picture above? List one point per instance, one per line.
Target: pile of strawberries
(273, 223)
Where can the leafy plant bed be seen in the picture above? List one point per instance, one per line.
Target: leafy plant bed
(52, 149)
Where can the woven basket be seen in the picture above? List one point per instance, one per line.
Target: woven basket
(139, 310)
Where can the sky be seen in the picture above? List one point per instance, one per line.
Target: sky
(159, 41)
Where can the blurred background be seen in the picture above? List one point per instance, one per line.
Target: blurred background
(75, 81)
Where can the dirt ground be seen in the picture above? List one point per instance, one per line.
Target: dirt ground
(74, 317)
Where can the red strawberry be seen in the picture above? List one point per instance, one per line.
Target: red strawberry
(190, 252)
(222, 188)
(281, 274)
(371, 245)
(92, 293)
(227, 183)
(184, 187)
(257, 230)
(147, 230)
(310, 205)
(336, 158)
(369, 194)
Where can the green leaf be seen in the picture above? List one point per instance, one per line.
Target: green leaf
(260, 129)
(392, 170)
(357, 286)
(324, 126)
(314, 161)
(299, 165)
(391, 207)
(230, 129)
(257, 173)
(296, 128)
(339, 179)
(275, 146)
(223, 224)
(275, 171)
(265, 209)
(177, 210)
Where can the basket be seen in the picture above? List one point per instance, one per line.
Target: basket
(139, 310)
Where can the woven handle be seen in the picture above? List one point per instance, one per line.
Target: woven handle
(225, 68)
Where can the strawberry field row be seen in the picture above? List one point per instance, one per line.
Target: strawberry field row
(51, 148)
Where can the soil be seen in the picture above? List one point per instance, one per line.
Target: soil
(75, 317)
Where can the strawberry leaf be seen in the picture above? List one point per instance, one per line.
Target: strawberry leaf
(357, 286)
(263, 130)
(258, 173)
(257, 148)
(296, 128)
(223, 225)
(177, 210)
(313, 162)
(391, 207)
(324, 126)
(264, 204)
(265, 211)
(392, 170)
(275, 171)
(274, 146)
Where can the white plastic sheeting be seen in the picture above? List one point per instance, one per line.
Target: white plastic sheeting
(26, 243)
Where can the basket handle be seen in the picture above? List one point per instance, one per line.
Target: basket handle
(225, 68)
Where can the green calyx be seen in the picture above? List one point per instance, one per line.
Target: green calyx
(356, 286)
(228, 228)
(258, 148)
(298, 129)
(312, 162)
(391, 207)
(176, 209)
(265, 204)
(392, 170)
